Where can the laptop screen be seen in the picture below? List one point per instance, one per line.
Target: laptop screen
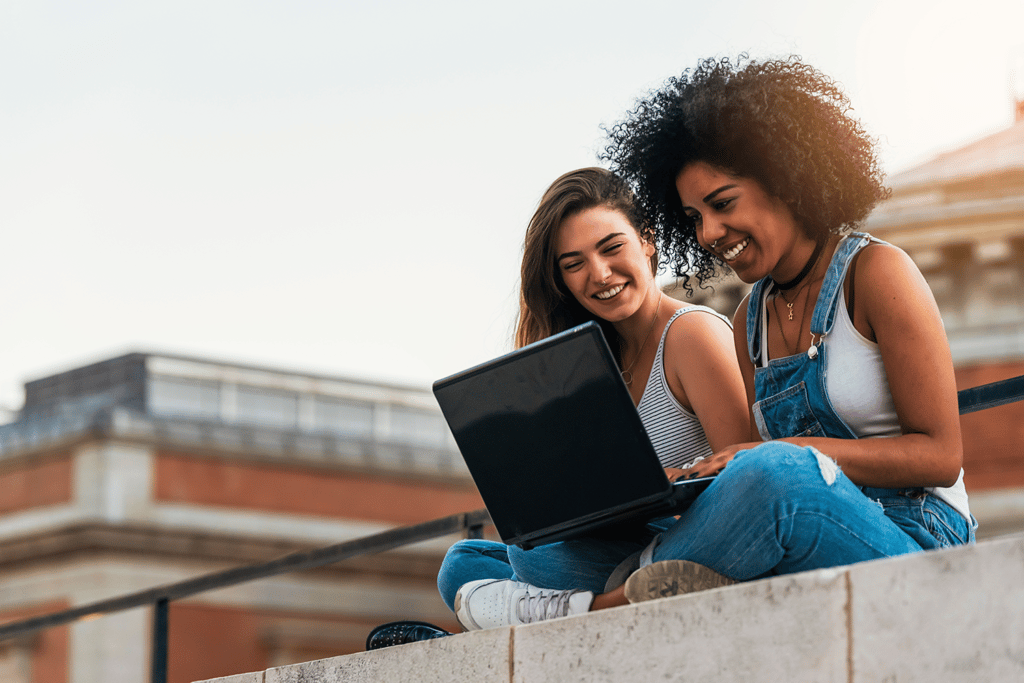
(550, 433)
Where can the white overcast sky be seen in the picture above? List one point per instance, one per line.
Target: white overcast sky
(337, 188)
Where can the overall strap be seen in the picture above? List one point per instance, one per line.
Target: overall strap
(824, 315)
(755, 304)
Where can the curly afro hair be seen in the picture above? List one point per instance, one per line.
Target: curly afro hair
(779, 122)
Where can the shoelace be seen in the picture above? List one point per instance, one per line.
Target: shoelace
(547, 604)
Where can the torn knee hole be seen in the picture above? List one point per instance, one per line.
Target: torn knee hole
(827, 466)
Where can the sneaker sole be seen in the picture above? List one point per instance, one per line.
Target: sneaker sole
(672, 577)
(458, 608)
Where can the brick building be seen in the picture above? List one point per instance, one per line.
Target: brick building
(149, 469)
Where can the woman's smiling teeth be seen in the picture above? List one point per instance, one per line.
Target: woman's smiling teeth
(735, 251)
(609, 293)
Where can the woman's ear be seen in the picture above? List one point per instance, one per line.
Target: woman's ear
(651, 252)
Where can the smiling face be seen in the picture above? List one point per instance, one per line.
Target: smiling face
(604, 263)
(735, 219)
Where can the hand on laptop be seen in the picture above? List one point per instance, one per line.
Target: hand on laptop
(674, 473)
(713, 464)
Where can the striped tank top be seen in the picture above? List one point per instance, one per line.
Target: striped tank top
(675, 432)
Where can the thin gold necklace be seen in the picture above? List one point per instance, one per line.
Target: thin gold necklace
(789, 304)
(640, 350)
(782, 328)
(803, 279)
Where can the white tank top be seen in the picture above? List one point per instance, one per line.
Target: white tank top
(675, 432)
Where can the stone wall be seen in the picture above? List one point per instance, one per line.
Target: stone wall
(951, 615)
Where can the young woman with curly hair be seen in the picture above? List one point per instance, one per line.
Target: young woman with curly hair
(758, 165)
(589, 254)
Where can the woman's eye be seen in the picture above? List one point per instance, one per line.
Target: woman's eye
(574, 265)
(692, 220)
(722, 204)
(613, 248)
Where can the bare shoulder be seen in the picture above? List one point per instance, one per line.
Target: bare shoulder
(894, 302)
(704, 375)
(698, 327)
(739, 318)
(698, 341)
(882, 267)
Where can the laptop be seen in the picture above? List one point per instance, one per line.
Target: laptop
(554, 443)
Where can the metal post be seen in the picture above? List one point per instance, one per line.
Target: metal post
(159, 655)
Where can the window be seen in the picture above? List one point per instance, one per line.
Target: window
(267, 407)
(417, 427)
(183, 397)
(343, 417)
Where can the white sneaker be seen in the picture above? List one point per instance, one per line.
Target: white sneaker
(490, 603)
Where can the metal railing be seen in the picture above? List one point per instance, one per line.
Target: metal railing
(470, 523)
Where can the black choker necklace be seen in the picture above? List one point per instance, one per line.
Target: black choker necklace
(790, 284)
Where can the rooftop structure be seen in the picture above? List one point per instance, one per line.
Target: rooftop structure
(259, 412)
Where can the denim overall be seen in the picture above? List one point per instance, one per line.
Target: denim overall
(791, 400)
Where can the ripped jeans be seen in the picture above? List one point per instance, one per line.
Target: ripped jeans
(775, 509)
(780, 509)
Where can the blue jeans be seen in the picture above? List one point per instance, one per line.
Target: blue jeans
(775, 509)
(584, 562)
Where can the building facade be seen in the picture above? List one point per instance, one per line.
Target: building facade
(148, 469)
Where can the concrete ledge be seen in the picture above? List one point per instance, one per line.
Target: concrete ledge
(787, 629)
(476, 656)
(952, 615)
(257, 677)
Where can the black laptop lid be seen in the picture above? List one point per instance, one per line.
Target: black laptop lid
(550, 434)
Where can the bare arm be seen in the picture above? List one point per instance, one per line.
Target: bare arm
(739, 324)
(703, 374)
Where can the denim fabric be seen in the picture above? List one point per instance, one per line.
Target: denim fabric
(929, 521)
(779, 509)
(471, 560)
(584, 563)
(790, 395)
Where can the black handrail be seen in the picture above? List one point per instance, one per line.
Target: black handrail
(471, 523)
(991, 395)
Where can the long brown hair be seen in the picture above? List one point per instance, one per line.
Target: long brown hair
(546, 306)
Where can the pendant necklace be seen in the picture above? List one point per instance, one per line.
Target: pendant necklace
(627, 376)
(789, 304)
(789, 284)
(782, 328)
(782, 287)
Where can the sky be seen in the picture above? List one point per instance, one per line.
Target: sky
(334, 188)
